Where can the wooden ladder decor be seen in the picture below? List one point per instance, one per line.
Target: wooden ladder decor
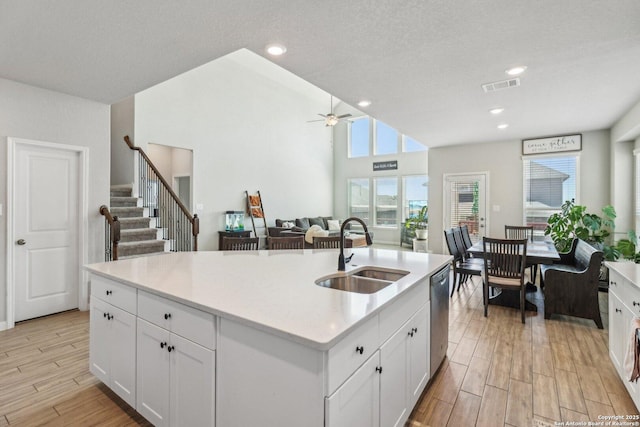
(255, 209)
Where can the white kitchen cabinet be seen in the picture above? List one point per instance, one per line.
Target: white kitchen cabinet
(112, 348)
(624, 306)
(356, 402)
(404, 360)
(175, 378)
(418, 354)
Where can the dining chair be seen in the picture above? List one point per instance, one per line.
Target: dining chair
(466, 237)
(522, 232)
(240, 243)
(462, 269)
(504, 264)
(296, 242)
(330, 242)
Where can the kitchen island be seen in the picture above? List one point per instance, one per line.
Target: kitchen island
(264, 344)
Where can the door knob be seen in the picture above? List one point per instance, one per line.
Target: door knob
(21, 242)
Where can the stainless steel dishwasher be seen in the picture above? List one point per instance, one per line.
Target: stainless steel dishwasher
(439, 288)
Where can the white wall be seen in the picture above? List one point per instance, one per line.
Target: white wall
(122, 157)
(503, 161)
(248, 131)
(32, 113)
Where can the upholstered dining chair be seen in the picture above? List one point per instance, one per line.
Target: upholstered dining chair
(330, 242)
(462, 268)
(522, 232)
(240, 243)
(296, 242)
(504, 264)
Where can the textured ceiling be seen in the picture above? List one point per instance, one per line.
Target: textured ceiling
(421, 63)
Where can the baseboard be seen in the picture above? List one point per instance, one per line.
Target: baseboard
(3, 326)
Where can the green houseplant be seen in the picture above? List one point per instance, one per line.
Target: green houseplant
(419, 223)
(574, 221)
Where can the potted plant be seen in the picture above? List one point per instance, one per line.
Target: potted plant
(573, 221)
(419, 223)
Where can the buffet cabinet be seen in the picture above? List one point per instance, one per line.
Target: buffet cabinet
(624, 306)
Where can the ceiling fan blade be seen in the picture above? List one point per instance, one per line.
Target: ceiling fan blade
(319, 120)
(344, 116)
(322, 115)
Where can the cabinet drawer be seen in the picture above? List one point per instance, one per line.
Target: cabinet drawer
(392, 317)
(351, 352)
(628, 293)
(117, 294)
(188, 322)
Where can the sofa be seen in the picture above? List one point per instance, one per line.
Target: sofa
(300, 226)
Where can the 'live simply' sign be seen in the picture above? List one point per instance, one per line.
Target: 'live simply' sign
(554, 144)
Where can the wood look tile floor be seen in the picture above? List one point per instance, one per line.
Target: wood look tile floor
(498, 372)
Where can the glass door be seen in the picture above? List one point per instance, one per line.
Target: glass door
(465, 203)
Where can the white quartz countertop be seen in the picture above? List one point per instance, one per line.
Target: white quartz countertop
(627, 269)
(273, 290)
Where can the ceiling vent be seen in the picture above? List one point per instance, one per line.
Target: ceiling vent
(503, 84)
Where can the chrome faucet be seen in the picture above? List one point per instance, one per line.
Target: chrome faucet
(341, 260)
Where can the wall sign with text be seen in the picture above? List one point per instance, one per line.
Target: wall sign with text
(553, 144)
(385, 166)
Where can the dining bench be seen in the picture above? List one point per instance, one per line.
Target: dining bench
(571, 285)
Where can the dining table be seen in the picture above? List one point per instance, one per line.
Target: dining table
(539, 251)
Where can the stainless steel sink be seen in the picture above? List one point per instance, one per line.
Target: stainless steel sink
(381, 274)
(364, 281)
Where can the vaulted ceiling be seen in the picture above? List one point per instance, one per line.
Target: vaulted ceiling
(421, 63)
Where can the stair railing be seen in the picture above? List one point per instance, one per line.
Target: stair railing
(111, 234)
(178, 225)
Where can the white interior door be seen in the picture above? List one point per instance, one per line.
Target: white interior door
(465, 202)
(46, 183)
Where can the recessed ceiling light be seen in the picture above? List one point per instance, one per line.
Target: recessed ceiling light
(496, 111)
(516, 71)
(364, 103)
(503, 126)
(276, 49)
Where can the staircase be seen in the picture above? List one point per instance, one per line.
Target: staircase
(138, 233)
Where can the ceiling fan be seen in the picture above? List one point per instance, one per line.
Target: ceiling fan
(331, 119)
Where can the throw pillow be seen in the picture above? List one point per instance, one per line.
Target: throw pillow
(317, 221)
(303, 223)
(288, 224)
(334, 224)
(314, 230)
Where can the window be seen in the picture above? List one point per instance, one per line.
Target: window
(386, 141)
(359, 198)
(386, 202)
(410, 145)
(359, 137)
(415, 195)
(548, 183)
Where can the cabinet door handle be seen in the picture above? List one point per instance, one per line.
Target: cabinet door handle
(167, 316)
(614, 283)
(360, 349)
(109, 292)
(618, 310)
(170, 348)
(410, 333)
(415, 330)
(379, 369)
(104, 314)
(163, 344)
(636, 303)
(109, 316)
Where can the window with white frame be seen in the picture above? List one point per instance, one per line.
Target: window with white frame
(359, 198)
(359, 137)
(548, 181)
(386, 202)
(410, 145)
(386, 141)
(415, 195)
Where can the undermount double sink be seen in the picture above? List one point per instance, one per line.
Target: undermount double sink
(365, 280)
